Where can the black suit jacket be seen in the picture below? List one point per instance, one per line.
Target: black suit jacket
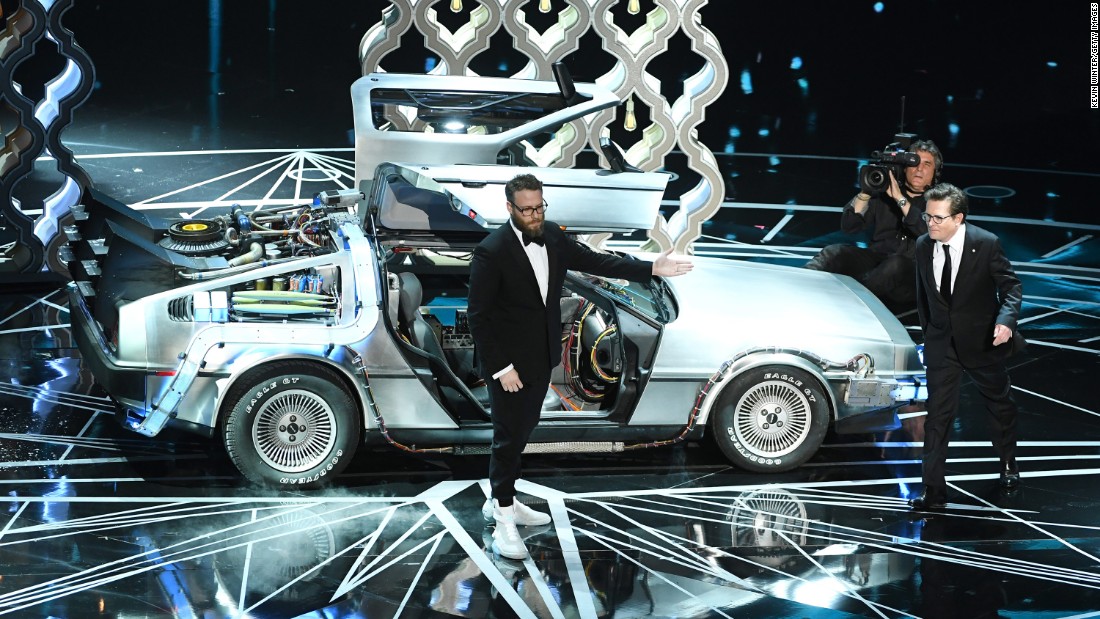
(986, 293)
(509, 321)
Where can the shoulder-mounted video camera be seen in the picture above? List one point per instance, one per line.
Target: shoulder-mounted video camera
(874, 177)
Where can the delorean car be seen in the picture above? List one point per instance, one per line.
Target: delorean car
(297, 335)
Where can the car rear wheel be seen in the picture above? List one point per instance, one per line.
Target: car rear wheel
(771, 418)
(291, 424)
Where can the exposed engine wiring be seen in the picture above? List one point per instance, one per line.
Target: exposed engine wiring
(565, 399)
(571, 356)
(592, 356)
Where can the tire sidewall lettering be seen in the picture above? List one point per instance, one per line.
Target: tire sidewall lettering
(748, 455)
(260, 391)
(328, 466)
(793, 380)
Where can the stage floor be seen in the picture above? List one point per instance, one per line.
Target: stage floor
(103, 522)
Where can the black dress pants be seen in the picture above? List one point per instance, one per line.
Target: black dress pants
(943, 402)
(515, 416)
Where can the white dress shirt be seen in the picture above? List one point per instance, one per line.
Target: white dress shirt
(540, 263)
(956, 247)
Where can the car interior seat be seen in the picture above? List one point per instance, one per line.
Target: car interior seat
(421, 335)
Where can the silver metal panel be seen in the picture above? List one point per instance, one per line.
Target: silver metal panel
(582, 200)
(199, 406)
(727, 307)
(373, 146)
(664, 402)
(404, 403)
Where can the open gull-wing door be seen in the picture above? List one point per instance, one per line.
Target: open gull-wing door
(449, 201)
(460, 119)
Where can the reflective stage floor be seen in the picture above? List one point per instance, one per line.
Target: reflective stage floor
(103, 522)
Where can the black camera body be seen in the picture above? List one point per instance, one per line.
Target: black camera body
(874, 177)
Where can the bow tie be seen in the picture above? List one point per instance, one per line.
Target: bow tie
(537, 240)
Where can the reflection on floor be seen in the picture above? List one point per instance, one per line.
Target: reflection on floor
(102, 522)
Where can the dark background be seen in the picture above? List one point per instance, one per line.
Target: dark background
(1012, 77)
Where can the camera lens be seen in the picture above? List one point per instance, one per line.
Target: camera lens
(873, 178)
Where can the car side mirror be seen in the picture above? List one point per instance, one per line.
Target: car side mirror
(615, 158)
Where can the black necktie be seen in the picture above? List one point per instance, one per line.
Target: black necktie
(528, 239)
(945, 275)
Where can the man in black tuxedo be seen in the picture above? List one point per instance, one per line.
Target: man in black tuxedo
(968, 300)
(516, 277)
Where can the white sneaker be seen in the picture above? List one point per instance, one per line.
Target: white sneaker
(506, 539)
(527, 517)
(524, 516)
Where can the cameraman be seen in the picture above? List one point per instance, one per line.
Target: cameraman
(886, 267)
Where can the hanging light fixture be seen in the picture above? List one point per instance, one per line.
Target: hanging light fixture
(544, 6)
(456, 6)
(634, 7)
(630, 123)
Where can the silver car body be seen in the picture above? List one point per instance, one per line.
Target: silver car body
(171, 336)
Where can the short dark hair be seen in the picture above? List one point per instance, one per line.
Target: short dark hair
(521, 182)
(954, 196)
(937, 157)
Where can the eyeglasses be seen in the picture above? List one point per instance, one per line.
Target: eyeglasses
(937, 218)
(526, 211)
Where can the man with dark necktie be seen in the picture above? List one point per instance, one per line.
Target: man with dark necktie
(968, 301)
(516, 278)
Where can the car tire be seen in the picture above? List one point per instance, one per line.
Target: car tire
(291, 425)
(771, 418)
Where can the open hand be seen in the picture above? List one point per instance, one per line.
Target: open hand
(667, 265)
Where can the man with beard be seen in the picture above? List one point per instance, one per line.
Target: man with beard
(516, 277)
(886, 266)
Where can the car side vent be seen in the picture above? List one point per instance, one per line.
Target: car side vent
(180, 310)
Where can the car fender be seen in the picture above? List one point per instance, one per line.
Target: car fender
(742, 362)
(340, 361)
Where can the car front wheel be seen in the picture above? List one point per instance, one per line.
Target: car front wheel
(771, 418)
(291, 424)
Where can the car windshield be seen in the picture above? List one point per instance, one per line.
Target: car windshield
(651, 299)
